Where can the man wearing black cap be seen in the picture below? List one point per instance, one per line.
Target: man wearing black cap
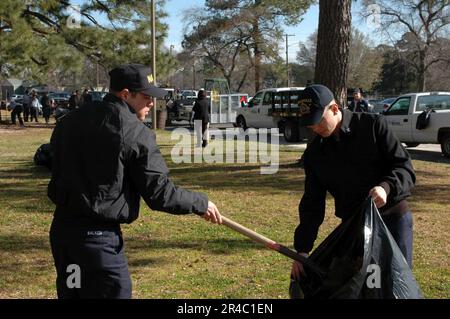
(358, 104)
(105, 159)
(354, 155)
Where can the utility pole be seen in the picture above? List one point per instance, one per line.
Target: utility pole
(154, 121)
(96, 78)
(1, 90)
(193, 74)
(287, 57)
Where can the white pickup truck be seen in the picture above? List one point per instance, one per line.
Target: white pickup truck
(403, 113)
(256, 113)
(274, 108)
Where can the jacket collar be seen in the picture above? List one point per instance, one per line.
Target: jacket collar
(114, 99)
(346, 121)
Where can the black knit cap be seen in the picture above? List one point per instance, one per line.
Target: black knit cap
(312, 102)
(136, 78)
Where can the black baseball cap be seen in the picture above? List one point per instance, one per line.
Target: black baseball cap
(312, 102)
(136, 78)
(356, 90)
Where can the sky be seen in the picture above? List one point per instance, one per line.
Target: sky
(300, 32)
(176, 8)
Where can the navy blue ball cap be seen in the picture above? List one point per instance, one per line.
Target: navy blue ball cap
(312, 102)
(136, 78)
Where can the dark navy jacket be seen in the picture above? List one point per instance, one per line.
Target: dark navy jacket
(361, 106)
(367, 154)
(201, 110)
(105, 160)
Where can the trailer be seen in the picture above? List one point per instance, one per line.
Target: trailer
(223, 103)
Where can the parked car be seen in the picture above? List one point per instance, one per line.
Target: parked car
(180, 107)
(372, 103)
(402, 117)
(383, 105)
(97, 95)
(187, 94)
(60, 99)
(16, 96)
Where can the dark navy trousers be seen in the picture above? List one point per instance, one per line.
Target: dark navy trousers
(401, 228)
(98, 253)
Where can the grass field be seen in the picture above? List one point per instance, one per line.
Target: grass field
(185, 257)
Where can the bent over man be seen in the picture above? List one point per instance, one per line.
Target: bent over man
(353, 156)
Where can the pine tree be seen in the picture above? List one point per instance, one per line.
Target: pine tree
(43, 38)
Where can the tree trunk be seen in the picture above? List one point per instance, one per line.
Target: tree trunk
(333, 42)
(257, 53)
(241, 83)
(421, 71)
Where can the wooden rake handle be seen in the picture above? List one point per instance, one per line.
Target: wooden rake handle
(269, 243)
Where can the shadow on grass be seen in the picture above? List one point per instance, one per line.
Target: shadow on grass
(7, 125)
(428, 156)
(26, 243)
(218, 246)
(24, 170)
(435, 194)
(144, 262)
(289, 176)
(24, 188)
(23, 243)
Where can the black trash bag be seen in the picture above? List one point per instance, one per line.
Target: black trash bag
(43, 156)
(360, 260)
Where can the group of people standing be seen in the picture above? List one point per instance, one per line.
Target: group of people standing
(31, 105)
(76, 99)
(30, 108)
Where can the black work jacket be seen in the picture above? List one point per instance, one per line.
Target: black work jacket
(105, 160)
(367, 154)
(361, 106)
(201, 110)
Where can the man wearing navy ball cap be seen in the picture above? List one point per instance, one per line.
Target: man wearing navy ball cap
(354, 155)
(105, 159)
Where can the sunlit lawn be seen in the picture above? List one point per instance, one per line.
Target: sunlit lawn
(185, 257)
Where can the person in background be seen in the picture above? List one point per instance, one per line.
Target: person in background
(26, 101)
(201, 117)
(358, 104)
(16, 111)
(75, 100)
(46, 107)
(86, 98)
(34, 108)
